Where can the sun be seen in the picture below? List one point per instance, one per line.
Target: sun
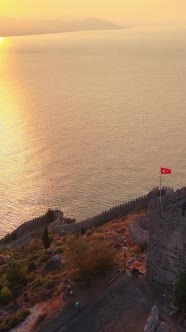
(1, 39)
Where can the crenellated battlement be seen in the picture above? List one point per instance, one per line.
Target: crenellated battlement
(30, 226)
(106, 216)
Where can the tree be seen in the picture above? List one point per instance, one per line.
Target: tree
(50, 215)
(46, 240)
(83, 230)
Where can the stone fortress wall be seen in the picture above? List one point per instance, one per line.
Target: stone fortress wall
(106, 216)
(98, 220)
(26, 227)
(138, 229)
(159, 230)
(166, 249)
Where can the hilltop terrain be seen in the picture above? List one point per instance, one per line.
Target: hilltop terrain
(43, 279)
(44, 275)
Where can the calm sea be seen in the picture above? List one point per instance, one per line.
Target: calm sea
(87, 119)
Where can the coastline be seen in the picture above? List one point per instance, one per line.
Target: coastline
(42, 278)
(24, 232)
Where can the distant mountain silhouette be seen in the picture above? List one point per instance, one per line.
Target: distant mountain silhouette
(91, 24)
(13, 27)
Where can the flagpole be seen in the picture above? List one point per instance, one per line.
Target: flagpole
(160, 185)
(163, 171)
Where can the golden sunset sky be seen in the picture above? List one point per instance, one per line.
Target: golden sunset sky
(139, 11)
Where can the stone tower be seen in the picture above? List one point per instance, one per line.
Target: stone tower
(166, 250)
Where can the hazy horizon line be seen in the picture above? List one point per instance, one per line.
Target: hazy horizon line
(33, 26)
(10, 27)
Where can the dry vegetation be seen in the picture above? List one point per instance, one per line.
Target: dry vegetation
(25, 280)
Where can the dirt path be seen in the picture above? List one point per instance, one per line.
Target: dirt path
(123, 306)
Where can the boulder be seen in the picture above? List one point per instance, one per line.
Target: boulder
(53, 264)
(153, 320)
(120, 239)
(4, 259)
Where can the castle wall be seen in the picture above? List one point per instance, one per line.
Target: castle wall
(106, 216)
(166, 250)
(98, 220)
(26, 227)
(137, 233)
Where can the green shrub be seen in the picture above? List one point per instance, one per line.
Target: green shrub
(36, 284)
(32, 267)
(59, 251)
(5, 251)
(16, 274)
(17, 255)
(43, 258)
(23, 314)
(5, 295)
(4, 281)
(4, 326)
(13, 320)
(89, 259)
(50, 284)
(34, 256)
(180, 292)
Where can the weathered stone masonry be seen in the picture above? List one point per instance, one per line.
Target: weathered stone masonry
(166, 253)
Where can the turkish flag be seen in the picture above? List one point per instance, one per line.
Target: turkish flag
(165, 170)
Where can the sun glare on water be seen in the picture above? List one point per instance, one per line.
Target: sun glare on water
(1, 39)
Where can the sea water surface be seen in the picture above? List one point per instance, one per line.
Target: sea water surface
(88, 118)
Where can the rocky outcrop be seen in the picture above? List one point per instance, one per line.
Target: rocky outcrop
(153, 320)
(53, 264)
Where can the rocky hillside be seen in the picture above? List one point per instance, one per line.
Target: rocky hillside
(32, 277)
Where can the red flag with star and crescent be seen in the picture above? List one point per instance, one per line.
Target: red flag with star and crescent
(164, 170)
